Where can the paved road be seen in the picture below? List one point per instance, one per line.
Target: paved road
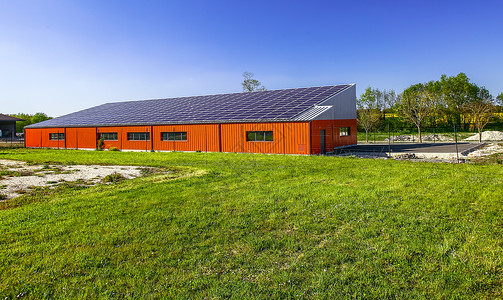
(411, 148)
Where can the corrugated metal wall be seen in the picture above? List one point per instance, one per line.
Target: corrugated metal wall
(332, 134)
(32, 138)
(122, 141)
(81, 138)
(289, 138)
(202, 137)
(39, 138)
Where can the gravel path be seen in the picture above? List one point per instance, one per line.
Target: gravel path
(17, 177)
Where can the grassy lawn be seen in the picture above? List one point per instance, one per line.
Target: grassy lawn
(257, 226)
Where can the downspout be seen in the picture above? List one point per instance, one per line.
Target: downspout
(219, 137)
(310, 138)
(151, 138)
(333, 146)
(284, 142)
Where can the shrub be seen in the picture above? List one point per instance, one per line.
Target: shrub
(114, 178)
(101, 144)
(113, 149)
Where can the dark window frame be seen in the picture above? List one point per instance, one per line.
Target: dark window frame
(344, 131)
(260, 136)
(56, 136)
(174, 136)
(105, 136)
(138, 136)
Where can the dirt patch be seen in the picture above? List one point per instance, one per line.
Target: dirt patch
(471, 154)
(487, 136)
(487, 150)
(17, 178)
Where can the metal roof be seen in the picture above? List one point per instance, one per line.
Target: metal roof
(9, 118)
(312, 113)
(264, 106)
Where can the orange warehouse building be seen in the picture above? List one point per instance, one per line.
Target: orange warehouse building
(313, 120)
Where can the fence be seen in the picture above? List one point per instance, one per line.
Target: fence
(411, 135)
(12, 142)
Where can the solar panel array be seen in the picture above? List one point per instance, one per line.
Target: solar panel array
(264, 106)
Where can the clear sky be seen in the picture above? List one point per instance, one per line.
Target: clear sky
(61, 56)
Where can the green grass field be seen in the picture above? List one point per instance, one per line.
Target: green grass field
(257, 226)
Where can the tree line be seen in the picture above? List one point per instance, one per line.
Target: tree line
(449, 101)
(29, 119)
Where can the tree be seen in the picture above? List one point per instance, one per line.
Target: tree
(251, 85)
(39, 117)
(499, 99)
(29, 119)
(386, 99)
(417, 103)
(481, 109)
(369, 110)
(457, 91)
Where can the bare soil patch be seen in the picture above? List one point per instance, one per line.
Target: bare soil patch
(17, 177)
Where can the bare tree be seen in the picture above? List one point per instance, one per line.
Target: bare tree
(417, 103)
(369, 110)
(386, 99)
(481, 110)
(251, 85)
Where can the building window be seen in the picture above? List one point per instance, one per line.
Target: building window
(56, 136)
(173, 136)
(345, 131)
(259, 136)
(138, 136)
(109, 136)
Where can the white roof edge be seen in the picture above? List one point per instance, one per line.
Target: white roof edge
(312, 113)
(302, 116)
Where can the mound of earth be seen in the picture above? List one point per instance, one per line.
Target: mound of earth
(426, 138)
(487, 136)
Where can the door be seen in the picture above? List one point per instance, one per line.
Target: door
(322, 141)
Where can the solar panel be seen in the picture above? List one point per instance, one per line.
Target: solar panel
(275, 105)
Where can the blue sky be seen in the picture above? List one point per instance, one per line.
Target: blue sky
(60, 56)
